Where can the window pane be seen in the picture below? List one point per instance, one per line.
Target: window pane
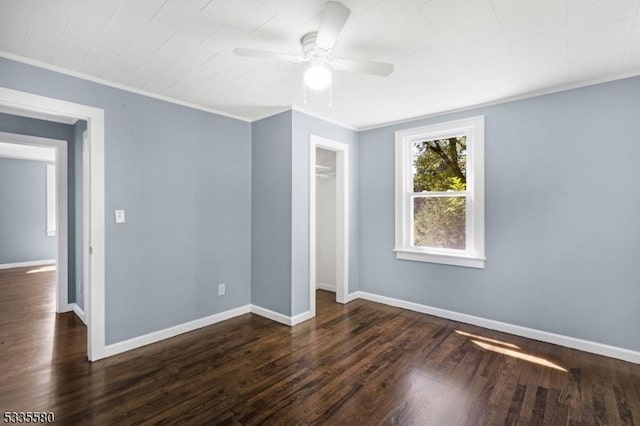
(440, 164)
(439, 222)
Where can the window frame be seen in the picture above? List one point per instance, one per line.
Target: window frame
(473, 256)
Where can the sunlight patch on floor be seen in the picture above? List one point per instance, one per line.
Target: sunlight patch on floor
(486, 339)
(47, 268)
(515, 354)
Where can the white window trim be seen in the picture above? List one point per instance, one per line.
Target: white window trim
(51, 200)
(474, 255)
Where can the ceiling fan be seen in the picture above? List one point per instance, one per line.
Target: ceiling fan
(317, 47)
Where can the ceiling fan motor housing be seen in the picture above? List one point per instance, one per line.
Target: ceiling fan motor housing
(317, 46)
(310, 49)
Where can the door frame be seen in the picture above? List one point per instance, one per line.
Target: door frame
(95, 309)
(342, 217)
(86, 216)
(61, 207)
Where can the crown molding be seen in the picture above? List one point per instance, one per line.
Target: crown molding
(119, 86)
(276, 111)
(323, 118)
(293, 107)
(301, 110)
(528, 95)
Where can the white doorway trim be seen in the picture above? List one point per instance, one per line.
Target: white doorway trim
(342, 218)
(95, 309)
(61, 206)
(86, 223)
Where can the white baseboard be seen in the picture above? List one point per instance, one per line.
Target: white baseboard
(558, 339)
(328, 287)
(544, 336)
(352, 296)
(67, 307)
(272, 315)
(30, 263)
(156, 336)
(305, 316)
(281, 318)
(79, 312)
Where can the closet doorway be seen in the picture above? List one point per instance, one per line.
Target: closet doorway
(329, 219)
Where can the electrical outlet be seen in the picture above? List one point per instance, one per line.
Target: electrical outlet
(221, 289)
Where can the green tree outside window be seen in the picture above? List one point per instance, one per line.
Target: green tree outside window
(440, 166)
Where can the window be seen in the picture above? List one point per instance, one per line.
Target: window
(440, 193)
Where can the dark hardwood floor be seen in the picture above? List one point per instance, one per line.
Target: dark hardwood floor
(356, 364)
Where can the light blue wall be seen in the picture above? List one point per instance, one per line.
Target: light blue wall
(184, 178)
(47, 129)
(280, 209)
(211, 199)
(271, 213)
(23, 212)
(73, 136)
(302, 128)
(562, 233)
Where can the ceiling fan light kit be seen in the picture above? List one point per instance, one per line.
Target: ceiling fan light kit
(317, 77)
(317, 49)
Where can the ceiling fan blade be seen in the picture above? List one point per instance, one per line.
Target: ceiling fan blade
(265, 54)
(366, 67)
(333, 19)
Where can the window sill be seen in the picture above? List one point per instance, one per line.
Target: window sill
(445, 259)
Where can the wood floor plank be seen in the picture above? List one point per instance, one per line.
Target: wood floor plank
(357, 364)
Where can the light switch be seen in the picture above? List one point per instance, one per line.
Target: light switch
(119, 216)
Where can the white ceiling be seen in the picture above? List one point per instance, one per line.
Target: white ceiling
(448, 53)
